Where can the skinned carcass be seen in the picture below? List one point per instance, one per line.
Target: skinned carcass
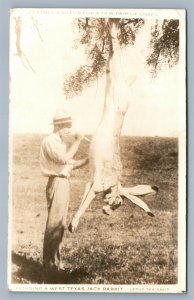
(104, 153)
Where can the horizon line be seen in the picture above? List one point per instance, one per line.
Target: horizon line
(89, 134)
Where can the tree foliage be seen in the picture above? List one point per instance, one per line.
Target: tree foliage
(164, 45)
(95, 35)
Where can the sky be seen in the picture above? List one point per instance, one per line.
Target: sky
(47, 42)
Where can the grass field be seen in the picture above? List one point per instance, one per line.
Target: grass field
(128, 247)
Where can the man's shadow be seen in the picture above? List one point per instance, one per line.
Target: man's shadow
(30, 271)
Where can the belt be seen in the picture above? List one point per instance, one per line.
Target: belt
(59, 176)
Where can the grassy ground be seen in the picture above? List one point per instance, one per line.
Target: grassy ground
(128, 247)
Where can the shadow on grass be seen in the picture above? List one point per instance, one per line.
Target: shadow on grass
(30, 271)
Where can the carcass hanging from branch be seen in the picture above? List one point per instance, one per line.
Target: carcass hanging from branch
(104, 40)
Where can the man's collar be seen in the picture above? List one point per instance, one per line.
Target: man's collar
(57, 137)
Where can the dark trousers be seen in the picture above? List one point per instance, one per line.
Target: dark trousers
(58, 195)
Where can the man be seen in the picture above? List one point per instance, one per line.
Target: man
(56, 162)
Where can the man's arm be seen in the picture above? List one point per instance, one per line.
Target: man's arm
(57, 152)
(74, 147)
(80, 163)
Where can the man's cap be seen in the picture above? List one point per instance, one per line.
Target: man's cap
(61, 117)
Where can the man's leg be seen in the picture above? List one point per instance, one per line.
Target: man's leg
(58, 201)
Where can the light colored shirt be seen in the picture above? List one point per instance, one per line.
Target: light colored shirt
(53, 157)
